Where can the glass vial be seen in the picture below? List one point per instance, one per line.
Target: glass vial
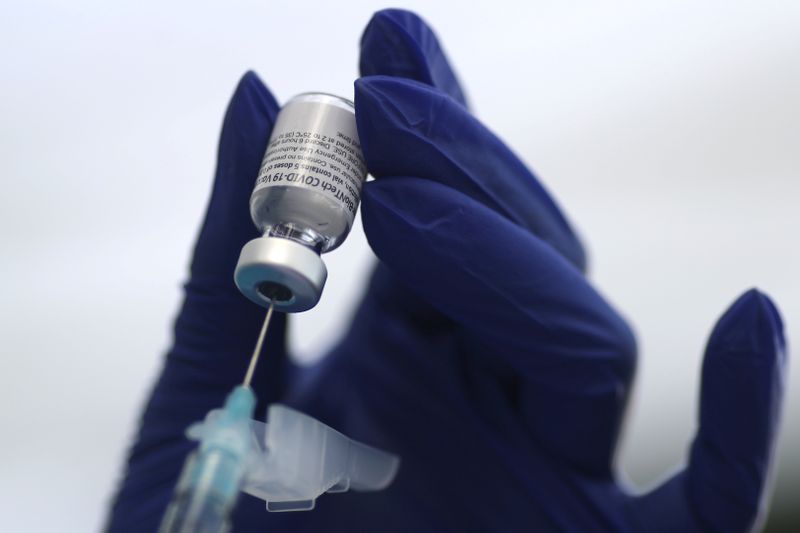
(304, 201)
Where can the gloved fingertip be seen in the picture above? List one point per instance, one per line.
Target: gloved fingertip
(250, 80)
(411, 129)
(751, 326)
(740, 408)
(397, 42)
(245, 132)
(249, 117)
(397, 117)
(392, 45)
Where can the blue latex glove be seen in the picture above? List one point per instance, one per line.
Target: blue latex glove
(480, 353)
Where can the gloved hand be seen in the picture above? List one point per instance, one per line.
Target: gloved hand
(480, 354)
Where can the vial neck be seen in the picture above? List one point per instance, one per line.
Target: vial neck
(305, 236)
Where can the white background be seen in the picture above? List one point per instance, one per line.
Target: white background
(668, 130)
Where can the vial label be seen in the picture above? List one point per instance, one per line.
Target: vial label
(315, 145)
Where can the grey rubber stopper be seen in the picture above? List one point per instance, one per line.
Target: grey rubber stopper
(282, 271)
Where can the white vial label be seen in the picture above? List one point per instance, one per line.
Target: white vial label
(314, 145)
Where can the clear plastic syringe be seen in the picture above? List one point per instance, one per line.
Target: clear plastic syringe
(212, 475)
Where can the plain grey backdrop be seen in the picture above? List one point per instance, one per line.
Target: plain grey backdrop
(668, 130)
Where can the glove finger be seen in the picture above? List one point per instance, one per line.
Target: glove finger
(723, 488)
(216, 328)
(740, 401)
(227, 226)
(523, 312)
(410, 129)
(399, 43)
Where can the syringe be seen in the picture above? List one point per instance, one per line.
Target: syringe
(212, 475)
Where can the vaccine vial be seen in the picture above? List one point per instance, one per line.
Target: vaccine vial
(304, 201)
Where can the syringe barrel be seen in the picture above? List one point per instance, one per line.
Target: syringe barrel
(205, 496)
